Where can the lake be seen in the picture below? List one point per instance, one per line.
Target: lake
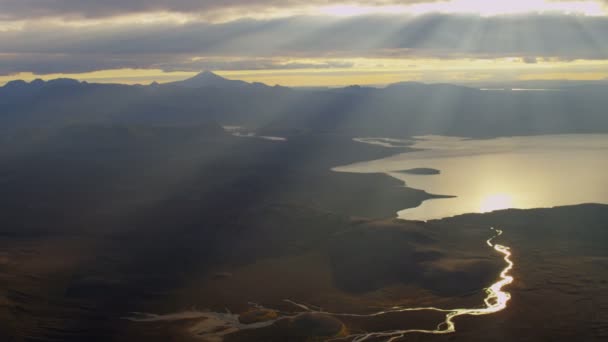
(493, 174)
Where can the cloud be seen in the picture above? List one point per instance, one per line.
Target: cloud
(44, 64)
(259, 44)
(20, 9)
(249, 64)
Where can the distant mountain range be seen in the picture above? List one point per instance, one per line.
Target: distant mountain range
(209, 79)
(398, 110)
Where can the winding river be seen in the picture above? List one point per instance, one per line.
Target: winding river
(496, 300)
(213, 326)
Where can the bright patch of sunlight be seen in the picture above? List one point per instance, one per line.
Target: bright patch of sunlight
(481, 7)
(485, 7)
(496, 202)
(354, 10)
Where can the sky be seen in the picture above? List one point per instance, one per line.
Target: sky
(305, 42)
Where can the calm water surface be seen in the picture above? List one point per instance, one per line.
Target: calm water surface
(501, 173)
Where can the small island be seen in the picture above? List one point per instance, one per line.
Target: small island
(421, 171)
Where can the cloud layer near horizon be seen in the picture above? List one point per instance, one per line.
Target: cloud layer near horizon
(11, 9)
(470, 39)
(272, 44)
(22, 9)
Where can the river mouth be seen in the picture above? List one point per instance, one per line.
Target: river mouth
(215, 326)
(495, 174)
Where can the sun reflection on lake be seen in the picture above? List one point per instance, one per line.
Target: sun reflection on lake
(496, 202)
(501, 173)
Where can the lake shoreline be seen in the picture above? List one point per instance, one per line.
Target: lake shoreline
(452, 168)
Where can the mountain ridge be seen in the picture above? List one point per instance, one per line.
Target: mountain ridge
(399, 110)
(207, 78)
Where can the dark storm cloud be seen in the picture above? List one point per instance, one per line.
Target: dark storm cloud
(43, 63)
(51, 63)
(19, 9)
(262, 42)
